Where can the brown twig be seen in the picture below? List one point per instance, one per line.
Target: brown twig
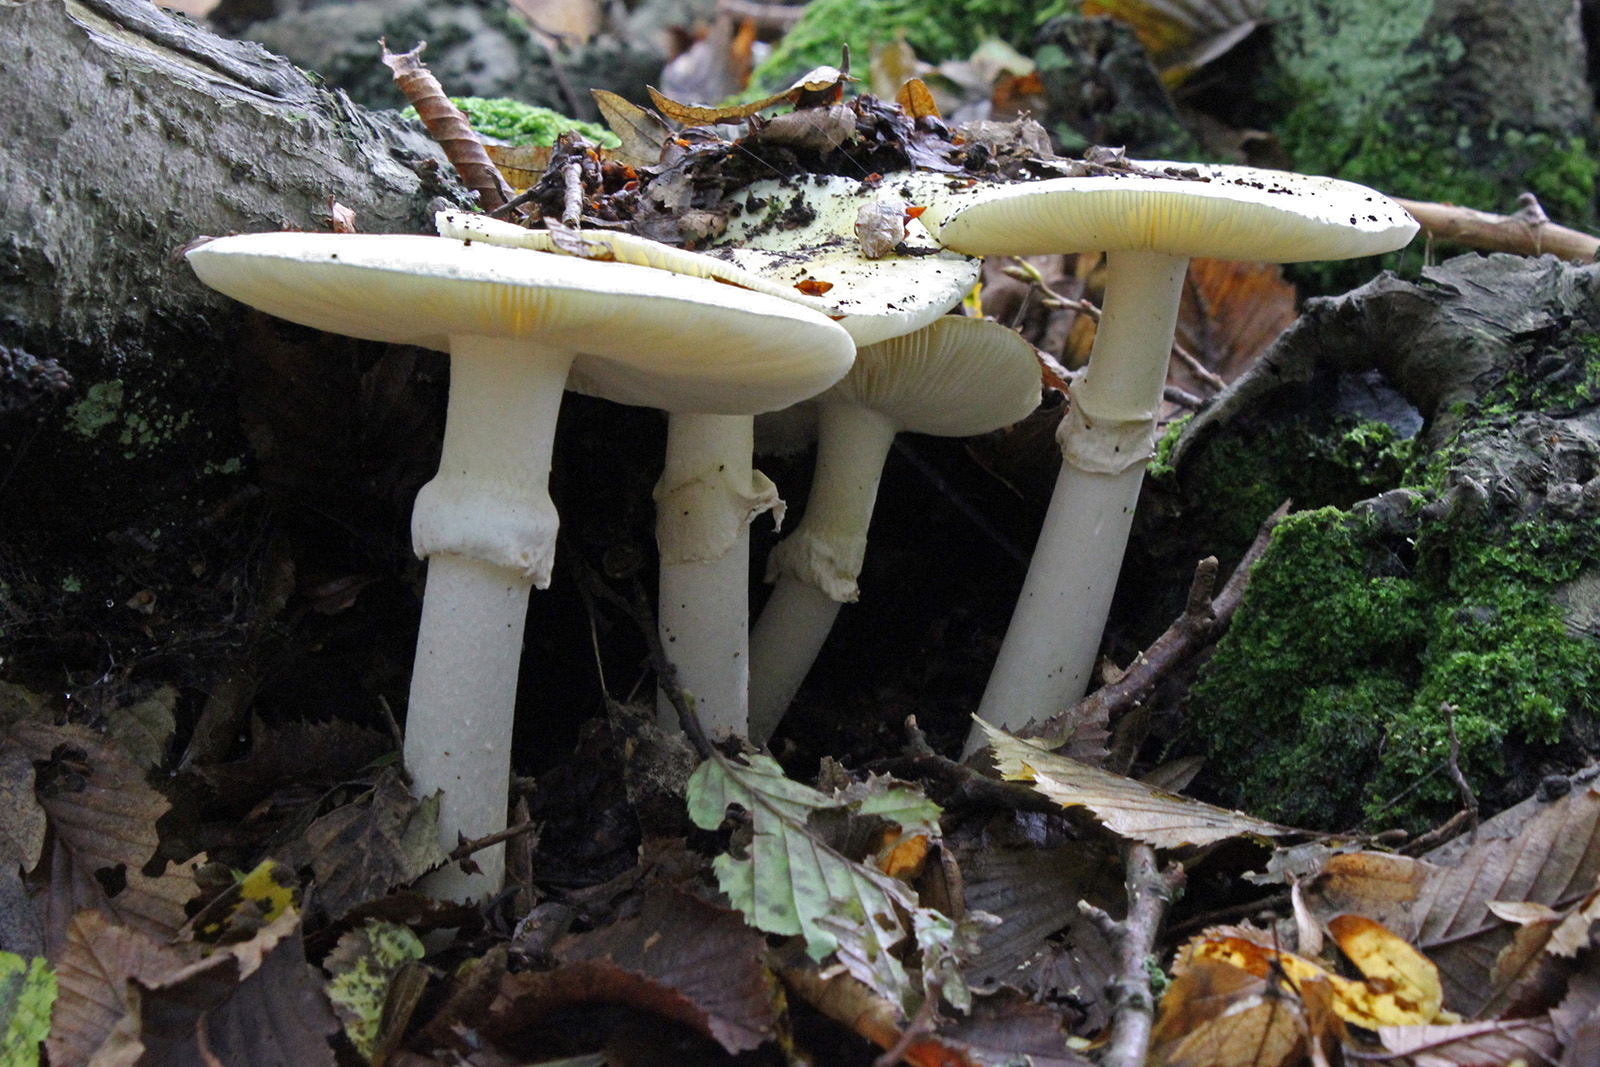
(1150, 890)
(968, 788)
(1204, 619)
(572, 207)
(1198, 369)
(477, 844)
(1526, 233)
(1438, 835)
(447, 126)
(1469, 799)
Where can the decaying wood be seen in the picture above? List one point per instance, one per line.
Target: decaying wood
(1526, 233)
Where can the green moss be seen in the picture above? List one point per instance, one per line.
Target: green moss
(1161, 465)
(1359, 625)
(517, 123)
(1239, 480)
(934, 29)
(99, 408)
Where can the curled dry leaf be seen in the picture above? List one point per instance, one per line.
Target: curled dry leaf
(680, 958)
(641, 132)
(447, 126)
(1217, 1015)
(1127, 807)
(827, 81)
(1530, 1042)
(817, 129)
(880, 226)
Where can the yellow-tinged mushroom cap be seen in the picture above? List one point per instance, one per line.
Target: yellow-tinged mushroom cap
(641, 336)
(803, 234)
(1222, 212)
(955, 378)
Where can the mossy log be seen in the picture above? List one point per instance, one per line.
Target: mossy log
(127, 133)
(1442, 440)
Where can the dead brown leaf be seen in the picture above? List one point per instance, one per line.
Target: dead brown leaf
(1552, 857)
(522, 165)
(1229, 313)
(1217, 1015)
(641, 131)
(915, 100)
(92, 976)
(102, 817)
(1492, 1043)
(382, 839)
(680, 958)
(255, 1004)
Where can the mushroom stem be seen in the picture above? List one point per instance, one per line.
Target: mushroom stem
(487, 527)
(705, 500)
(463, 690)
(817, 565)
(1106, 439)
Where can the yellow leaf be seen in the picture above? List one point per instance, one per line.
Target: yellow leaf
(1411, 992)
(915, 99)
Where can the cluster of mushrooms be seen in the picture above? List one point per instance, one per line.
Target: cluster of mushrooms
(773, 314)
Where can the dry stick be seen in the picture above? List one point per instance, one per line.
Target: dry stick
(1150, 890)
(447, 126)
(1469, 799)
(969, 788)
(477, 844)
(1203, 620)
(572, 208)
(1526, 233)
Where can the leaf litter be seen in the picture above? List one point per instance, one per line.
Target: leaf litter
(871, 904)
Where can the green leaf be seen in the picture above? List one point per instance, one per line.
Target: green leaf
(27, 993)
(792, 882)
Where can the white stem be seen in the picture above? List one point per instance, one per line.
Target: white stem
(705, 500)
(784, 643)
(487, 527)
(463, 690)
(817, 565)
(1055, 630)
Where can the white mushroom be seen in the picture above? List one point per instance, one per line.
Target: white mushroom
(514, 323)
(956, 378)
(1149, 227)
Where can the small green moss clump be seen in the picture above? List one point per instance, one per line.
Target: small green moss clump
(517, 123)
(935, 30)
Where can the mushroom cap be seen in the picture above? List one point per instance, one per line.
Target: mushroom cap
(804, 232)
(955, 378)
(620, 247)
(641, 336)
(1223, 212)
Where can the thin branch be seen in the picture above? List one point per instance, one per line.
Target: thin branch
(1527, 233)
(1469, 799)
(477, 844)
(572, 210)
(968, 788)
(1150, 890)
(1204, 619)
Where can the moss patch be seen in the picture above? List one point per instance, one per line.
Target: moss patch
(1360, 623)
(523, 124)
(936, 30)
